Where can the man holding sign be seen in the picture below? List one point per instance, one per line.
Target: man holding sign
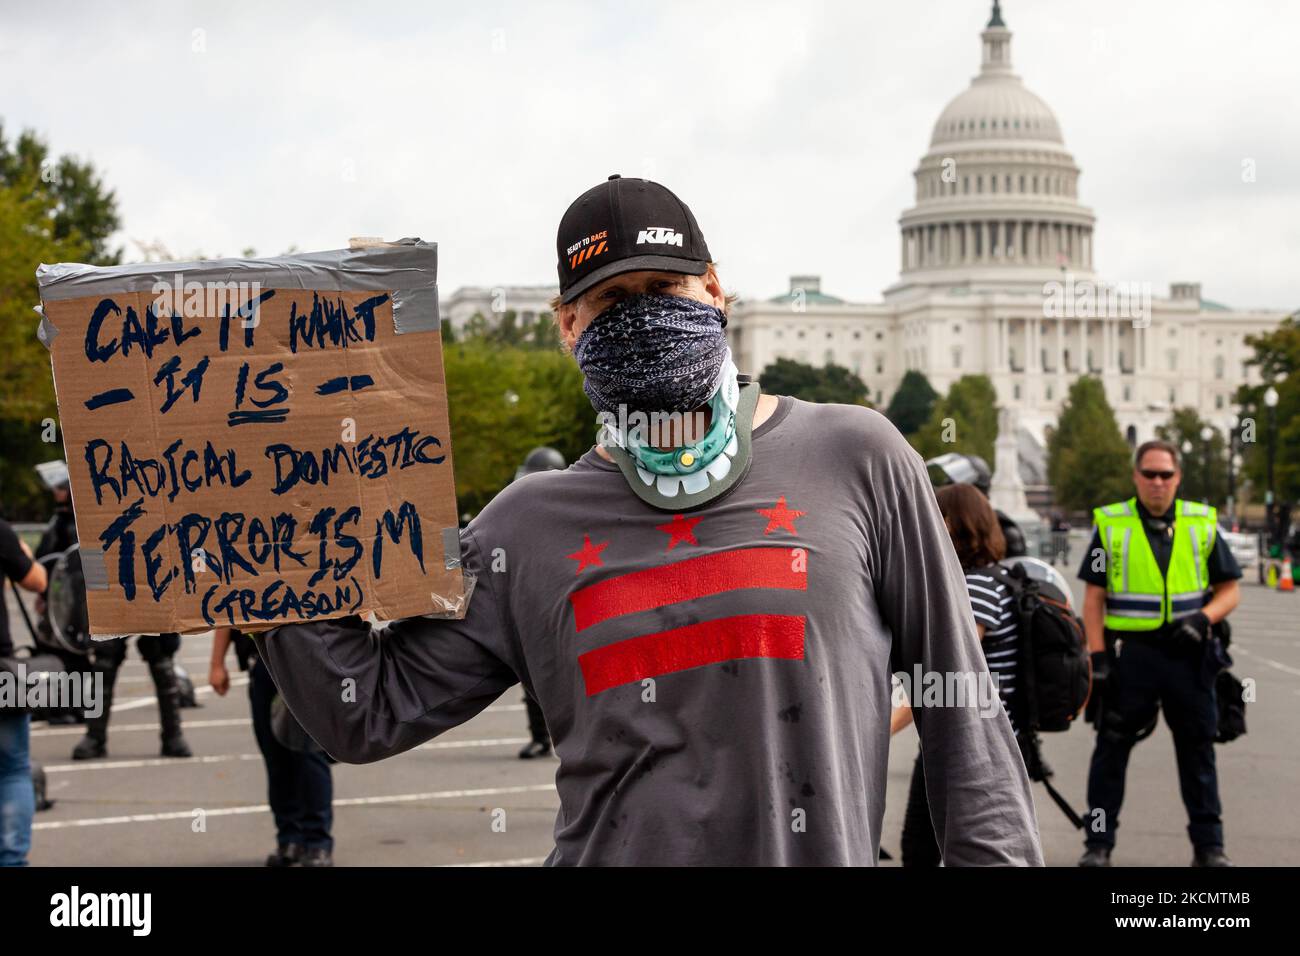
(708, 605)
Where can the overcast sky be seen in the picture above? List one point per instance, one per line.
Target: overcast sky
(791, 129)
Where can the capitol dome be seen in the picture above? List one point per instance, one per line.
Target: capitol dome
(997, 193)
(1001, 109)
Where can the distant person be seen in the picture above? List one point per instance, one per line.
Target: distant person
(17, 798)
(106, 658)
(977, 538)
(539, 459)
(1159, 578)
(299, 783)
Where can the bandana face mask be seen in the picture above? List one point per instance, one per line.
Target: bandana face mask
(653, 353)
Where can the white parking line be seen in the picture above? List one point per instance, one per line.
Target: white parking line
(521, 861)
(82, 766)
(1285, 668)
(263, 808)
(135, 703)
(77, 730)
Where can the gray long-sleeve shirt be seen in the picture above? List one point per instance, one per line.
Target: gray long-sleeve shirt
(718, 683)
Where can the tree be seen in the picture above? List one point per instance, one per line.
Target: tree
(1088, 461)
(1200, 483)
(1277, 355)
(912, 402)
(50, 211)
(831, 384)
(503, 403)
(81, 212)
(964, 421)
(545, 334)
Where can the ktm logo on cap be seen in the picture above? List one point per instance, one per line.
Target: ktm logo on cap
(659, 235)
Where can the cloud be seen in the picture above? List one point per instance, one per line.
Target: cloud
(791, 129)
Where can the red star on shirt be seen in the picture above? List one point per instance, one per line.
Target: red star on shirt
(780, 516)
(680, 529)
(589, 555)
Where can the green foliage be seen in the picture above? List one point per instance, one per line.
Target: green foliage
(912, 402)
(68, 193)
(1205, 467)
(965, 421)
(834, 383)
(50, 211)
(1277, 355)
(506, 332)
(504, 402)
(1088, 461)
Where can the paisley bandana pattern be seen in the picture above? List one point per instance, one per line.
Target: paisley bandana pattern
(651, 353)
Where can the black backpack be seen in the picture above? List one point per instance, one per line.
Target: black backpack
(1052, 680)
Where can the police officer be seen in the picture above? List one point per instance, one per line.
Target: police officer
(61, 531)
(105, 659)
(957, 469)
(1159, 578)
(544, 458)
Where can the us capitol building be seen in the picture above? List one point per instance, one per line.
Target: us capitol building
(996, 278)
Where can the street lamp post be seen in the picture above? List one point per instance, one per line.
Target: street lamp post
(1187, 452)
(1270, 400)
(1206, 434)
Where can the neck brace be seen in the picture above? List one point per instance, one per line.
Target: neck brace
(693, 475)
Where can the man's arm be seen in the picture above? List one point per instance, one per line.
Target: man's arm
(218, 676)
(16, 561)
(1227, 595)
(980, 800)
(1094, 617)
(364, 694)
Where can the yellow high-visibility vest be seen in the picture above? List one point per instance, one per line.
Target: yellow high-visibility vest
(1138, 597)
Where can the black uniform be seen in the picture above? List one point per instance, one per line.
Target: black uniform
(15, 565)
(300, 788)
(1151, 670)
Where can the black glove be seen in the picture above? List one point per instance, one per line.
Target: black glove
(1100, 675)
(1195, 627)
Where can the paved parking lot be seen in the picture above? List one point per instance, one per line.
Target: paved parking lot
(435, 805)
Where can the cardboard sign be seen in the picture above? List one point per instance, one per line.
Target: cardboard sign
(256, 442)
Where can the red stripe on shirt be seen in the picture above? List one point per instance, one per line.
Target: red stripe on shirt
(708, 642)
(687, 580)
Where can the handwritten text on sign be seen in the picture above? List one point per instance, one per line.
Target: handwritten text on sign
(284, 456)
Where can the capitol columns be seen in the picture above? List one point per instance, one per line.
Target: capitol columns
(1084, 365)
(1060, 344)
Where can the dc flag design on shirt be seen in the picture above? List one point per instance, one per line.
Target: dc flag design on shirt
(715, 641)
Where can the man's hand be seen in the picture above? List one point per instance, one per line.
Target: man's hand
(219, 677)
(1195, 627)
(1100, 665)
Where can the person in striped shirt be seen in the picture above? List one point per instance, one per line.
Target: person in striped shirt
(973, 527)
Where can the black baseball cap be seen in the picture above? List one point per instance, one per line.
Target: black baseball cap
(626, 225)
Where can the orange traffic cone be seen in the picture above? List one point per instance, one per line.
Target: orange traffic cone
(1285, 583)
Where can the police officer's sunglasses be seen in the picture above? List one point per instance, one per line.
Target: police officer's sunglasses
(1151, 474)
